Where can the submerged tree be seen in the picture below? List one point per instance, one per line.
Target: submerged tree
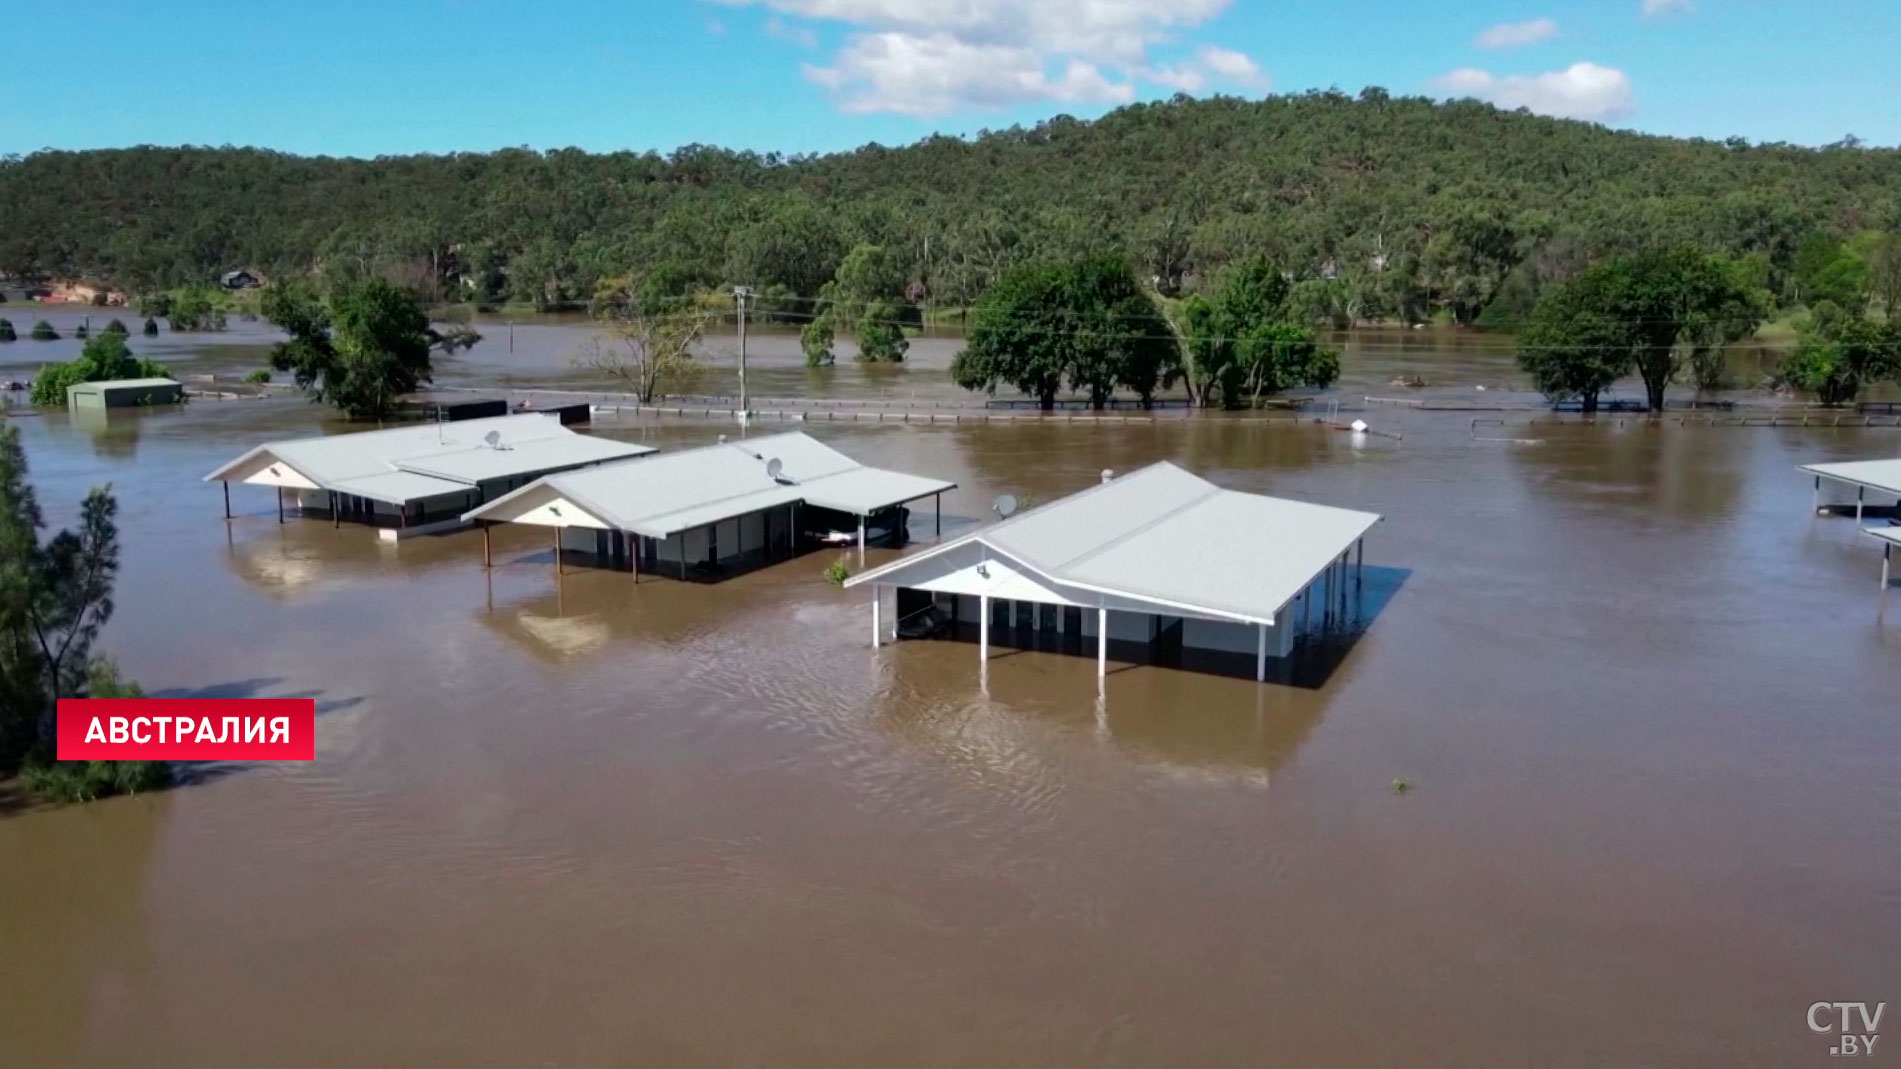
(1653, 312)
(649, 326)
(1839, 353)
(55, 596)
(1087, 322)
(1242, 344)
(196, 308)
(104, 357)
(361, 348)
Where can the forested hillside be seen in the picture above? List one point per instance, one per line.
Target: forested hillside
(1386, 207)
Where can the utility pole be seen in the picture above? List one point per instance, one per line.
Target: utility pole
(742, 294)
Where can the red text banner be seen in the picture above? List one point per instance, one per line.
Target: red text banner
(187, 729)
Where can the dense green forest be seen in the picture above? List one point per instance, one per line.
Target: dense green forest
(1377, 207)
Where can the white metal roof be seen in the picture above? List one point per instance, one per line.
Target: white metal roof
(1165, 537)
(680, 491)
(398, 487)
(1883, 475)
(1886, 534)
(121, 384)
(437, 458)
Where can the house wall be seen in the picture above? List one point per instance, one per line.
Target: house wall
(1236, 638)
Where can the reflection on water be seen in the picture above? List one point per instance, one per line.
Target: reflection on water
(1639, 688)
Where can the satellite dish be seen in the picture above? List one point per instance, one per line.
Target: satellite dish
(1005, 505)
(494, 439)
(773, 468)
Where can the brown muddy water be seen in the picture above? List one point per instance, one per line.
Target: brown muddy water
(1650, 717)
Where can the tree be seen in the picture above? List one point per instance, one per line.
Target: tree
(6, 331)
(1087, 321)
(864, 296)
(1884, 274)
(1573, 347)
(816, 339)
(196, 308)
(150, 329)
(55, 596)
(104, 357)
(117, 326)
(361, 348)
(649, 326)
(1242, 343)
(1651, 311)
(43, 331)
(1840, 353)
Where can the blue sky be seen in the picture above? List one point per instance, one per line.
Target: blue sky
(363, 79)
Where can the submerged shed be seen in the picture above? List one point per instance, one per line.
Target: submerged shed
(124, 393)
(418, 478)
(1157, 558)
(719, 509)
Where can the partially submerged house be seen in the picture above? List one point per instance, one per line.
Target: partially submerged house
(419, 478)
(1158, 559)
(1882, 477)
(711, 512)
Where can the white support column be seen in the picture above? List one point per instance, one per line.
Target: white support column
(1861, 494)
(876, 604)
(983, 628)
(1887, 555)
(1260, 654)
(861, 541)
(1102, 646)
(1818, 495)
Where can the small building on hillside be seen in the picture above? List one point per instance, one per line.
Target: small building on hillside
(713, 512)
(1158, 562)
(419, 478)
(124, 393)
(240, 279)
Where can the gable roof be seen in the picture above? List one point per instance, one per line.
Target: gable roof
(679, 491)
(436, 458)
(1167, 536)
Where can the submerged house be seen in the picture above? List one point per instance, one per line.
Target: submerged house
(419, 478)
(1883, 477)
(1157, 561)
(712, 512)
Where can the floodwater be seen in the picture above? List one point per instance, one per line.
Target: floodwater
(1643, 697)
(1442, 367)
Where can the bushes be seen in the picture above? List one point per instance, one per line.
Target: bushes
(150, 329)
(43, 331)
(104, 357)
(117, 326)
(82, 332)
(194, 309)
(6, 330)
(258, 377)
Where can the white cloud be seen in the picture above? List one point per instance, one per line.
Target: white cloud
(1580, 91)
(1210, 64)
(933, 75)
(786, 31)
(930, 57)
(1514, 34)
(716, 27)
(1656, 8)
(1232, 66)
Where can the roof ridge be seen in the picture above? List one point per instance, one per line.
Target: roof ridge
(1084, 492)
(1212, 491)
